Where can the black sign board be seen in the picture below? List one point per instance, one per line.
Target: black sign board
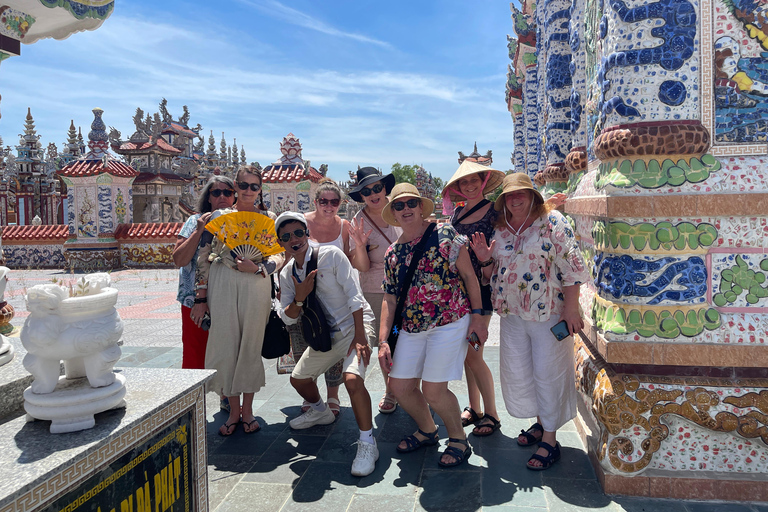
(155, 476)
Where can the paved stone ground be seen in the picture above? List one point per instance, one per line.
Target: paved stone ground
(278, 469)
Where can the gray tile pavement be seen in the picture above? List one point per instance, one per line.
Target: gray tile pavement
(280, 469)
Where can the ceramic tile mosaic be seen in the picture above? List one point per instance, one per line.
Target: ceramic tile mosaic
(578, 72)
(146, 255)
(558, 80)
(650, 61)
(739, 280)
(33, 256)
(690, 447)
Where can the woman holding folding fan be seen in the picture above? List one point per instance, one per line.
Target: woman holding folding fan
(236, 291)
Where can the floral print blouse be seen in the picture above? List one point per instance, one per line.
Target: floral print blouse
(437, 295)
(530, 270)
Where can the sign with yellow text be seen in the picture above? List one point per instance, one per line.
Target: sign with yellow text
(156, 476)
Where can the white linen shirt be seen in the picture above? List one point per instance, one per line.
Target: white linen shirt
(335, 288)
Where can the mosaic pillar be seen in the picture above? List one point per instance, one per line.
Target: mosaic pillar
(531, 113)
(519, 134)
(556, 14)
(576, 160)
(542, 110)
(672, 376)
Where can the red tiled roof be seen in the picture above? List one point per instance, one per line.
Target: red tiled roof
(135, 147)
(28, 233)
(178, 128)
(169, 177)
(277, 173)
(81, 168)
(185, 208)
(148, 231)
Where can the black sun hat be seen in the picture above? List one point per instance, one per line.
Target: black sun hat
(368, 175)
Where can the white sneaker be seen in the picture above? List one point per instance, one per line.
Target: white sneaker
(312, 418)
(365, 460)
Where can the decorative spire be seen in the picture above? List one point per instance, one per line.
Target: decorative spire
(291, 150)
(242, 153)
(223, 150)
(235, 156)
(80, 140)
(98, 141)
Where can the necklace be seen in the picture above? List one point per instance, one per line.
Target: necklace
(514, 231)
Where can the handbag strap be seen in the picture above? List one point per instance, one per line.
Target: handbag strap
(473, 210)
(418, 252)
(377, 227)
(312, 265)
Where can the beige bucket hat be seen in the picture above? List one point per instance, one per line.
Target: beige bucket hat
(404, 191)
(465, 169)
(512, 182)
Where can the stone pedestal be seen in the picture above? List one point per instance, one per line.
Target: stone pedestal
(150, 455)
(6, 350)
(73, 404)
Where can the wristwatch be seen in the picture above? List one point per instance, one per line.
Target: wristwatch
(299, 303)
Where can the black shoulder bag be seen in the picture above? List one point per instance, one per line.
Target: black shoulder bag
(277, 340)
(473, 210)
(418, 252)
(314, 326)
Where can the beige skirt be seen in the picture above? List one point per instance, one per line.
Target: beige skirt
(239, 304)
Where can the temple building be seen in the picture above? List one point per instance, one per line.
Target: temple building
(486, 159)
(29, 187)
(425, 183)
(98, 199)
(651, 117)
(290, 182)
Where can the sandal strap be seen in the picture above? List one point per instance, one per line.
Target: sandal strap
(545, 461)
(428, 435)
(457, 440)
(494, 422)
(529, 438)
(536, 426)
(473, 416)
(550, 449)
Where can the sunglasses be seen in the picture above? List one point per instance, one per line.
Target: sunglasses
(411, 203)
(373, 190)
(333, 202)
(242, 185)
(298, 233)
(217, 192)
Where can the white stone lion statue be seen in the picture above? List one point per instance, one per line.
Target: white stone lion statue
(82, 331)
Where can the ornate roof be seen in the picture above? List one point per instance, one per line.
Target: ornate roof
(31, 233)
(169, 177)
(277, 173)
(159, 145)
(98, 160)
(58, 19)
(178, 128)
(486, 159)
(148, 231)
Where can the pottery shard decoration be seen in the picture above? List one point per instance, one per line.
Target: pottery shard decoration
(6, 314)
(80, 327)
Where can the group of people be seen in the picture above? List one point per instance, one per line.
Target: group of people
(392, 269)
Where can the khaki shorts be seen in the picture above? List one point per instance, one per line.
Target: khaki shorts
(314, 363)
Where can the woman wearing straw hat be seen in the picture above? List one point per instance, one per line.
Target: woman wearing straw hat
(441, 308)
(470, 183)
(369, 238)
(535, 272)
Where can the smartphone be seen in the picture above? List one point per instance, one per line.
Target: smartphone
(560, 330)
(206, 323)
(474, 341)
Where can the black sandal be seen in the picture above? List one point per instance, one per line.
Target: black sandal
(553, 455)
(494, 425)
(473, 417)
(458, 455)
(413, 443)
(531, 439)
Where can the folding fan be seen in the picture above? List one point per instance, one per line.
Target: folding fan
(247, 234)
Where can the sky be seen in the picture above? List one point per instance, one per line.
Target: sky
(358, 82)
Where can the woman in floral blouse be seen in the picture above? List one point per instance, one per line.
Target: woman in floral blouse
(442, 307)
(535, 275)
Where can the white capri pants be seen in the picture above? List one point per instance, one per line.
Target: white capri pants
(537, 372)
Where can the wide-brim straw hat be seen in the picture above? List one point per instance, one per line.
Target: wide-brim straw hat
(367, 176)
(512, 182)
(467, 168)
(404, 191)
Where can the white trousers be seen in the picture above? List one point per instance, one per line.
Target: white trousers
(537, 372)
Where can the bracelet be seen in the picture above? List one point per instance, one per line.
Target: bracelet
(483, 264)
(201, 287)
(201, 300)
(385, 341)
(481, 312)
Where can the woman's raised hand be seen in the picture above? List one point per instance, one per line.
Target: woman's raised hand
(357, 232)
(557, 200)
(482, 250)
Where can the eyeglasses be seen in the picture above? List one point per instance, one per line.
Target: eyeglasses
(333, 202)
(242, 185)
(217, 192)
(298, 233)
(373, 190)
(411, 203)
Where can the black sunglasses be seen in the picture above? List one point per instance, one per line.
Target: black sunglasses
(217, 192)
(298, 233)
(373, 190)
(242, 185)
(412, 203)
(333, 202)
